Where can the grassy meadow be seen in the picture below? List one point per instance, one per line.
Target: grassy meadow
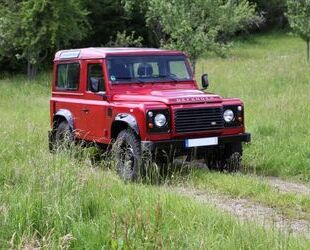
(271, 75)
(64, 201)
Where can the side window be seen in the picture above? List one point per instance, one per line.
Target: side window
(94, 72)
(68, 76)
(178, 68)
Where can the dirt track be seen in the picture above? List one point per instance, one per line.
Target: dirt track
(288, 187)
(247, 210)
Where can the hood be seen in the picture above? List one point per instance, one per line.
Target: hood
(169, 96)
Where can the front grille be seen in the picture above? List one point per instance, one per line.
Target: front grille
(198, 120)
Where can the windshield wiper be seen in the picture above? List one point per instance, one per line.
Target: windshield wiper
(170, 77)
(130, 78)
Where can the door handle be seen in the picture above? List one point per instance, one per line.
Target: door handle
(86, 110)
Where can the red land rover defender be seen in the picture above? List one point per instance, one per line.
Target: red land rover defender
(142, 100)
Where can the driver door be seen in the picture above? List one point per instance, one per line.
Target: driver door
(94, 107)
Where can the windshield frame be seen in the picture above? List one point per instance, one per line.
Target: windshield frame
(152, 80)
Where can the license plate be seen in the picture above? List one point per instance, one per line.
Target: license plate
(212, 141)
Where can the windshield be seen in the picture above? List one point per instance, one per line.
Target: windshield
(143, 69)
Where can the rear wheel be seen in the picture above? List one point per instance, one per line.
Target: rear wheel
(228, 159)
(127, 154)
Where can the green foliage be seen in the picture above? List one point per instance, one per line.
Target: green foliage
(124, 40)
(299, 18)
(273, 11)
(137, 11)
(8, 18)
(198, 26)
(106, 18)
(34, 27)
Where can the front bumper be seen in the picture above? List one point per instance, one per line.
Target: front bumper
(180, 144)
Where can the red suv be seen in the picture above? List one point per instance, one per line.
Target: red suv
(143, 100)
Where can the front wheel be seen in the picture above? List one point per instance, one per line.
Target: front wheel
(127, 154)
(229, 159)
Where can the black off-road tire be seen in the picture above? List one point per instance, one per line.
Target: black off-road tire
(127, 155)
(233, 157)
(162, 158)
(63, 137)
(229, 159)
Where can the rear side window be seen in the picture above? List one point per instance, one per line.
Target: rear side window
(68, 76)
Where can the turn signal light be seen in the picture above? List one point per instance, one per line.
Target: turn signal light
(151, 125)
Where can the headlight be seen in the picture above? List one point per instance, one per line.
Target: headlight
(228, 115)
(160, 120)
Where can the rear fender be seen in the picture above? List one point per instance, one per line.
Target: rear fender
(65, 114)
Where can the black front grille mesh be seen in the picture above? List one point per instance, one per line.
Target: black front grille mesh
(199, 119)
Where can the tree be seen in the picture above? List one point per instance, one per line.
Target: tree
(196, 26)
(124, 40)
(273, 12)
(136, 11)
(299, 18)
(33, 28)
(107, 18)
(6, 20)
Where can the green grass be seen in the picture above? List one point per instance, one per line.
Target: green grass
(59, 201)
(64, 202)
(270, 74)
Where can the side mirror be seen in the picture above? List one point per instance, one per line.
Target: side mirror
(205, 81)
(95, 84)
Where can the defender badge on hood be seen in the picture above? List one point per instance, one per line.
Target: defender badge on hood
(193, 99)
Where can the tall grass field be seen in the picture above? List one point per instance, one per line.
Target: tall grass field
(65, 201)
(271, 75)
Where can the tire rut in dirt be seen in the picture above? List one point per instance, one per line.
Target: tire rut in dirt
(288, 187)
(248, 211)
